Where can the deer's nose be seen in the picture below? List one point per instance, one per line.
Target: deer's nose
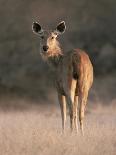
(45, 48)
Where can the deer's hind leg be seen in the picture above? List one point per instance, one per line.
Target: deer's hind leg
(75, 112)
(74, 104)
(70, 93)
(62, 102)
(83, 101)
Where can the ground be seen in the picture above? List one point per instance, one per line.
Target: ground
(32, 129)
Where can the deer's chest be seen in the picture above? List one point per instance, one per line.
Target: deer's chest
(63, 78)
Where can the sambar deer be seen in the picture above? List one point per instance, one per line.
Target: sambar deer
(73, 73)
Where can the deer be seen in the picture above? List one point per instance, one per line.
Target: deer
(73, 72)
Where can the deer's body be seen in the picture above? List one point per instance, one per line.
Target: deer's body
(73, 77)
(73, 65)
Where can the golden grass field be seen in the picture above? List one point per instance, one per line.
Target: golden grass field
(31, 129)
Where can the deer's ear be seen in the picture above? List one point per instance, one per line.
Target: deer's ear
(61, 27)
(37, 28)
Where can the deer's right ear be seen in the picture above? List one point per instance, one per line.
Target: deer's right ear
(60, 28)
(37, 28)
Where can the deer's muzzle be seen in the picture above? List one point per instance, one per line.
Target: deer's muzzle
(45, 48)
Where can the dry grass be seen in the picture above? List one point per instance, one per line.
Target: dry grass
(37, 131)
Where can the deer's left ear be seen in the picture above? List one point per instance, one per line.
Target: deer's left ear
(61, 28)
(36, 27)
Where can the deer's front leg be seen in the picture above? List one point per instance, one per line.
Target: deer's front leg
(62, 103)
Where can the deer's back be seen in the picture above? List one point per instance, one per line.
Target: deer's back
(82, 68)
(77, 65)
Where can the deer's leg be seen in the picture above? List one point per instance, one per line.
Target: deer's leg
(70, 106)
(83, 101)
(75, 112)
(73, 116)
(70, 93)
(62, 102)
(81, 116)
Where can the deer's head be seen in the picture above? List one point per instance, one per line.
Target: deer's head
(49, 45)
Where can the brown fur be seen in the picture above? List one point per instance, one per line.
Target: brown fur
(73, 77)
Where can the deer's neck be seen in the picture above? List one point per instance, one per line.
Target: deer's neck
(55, 55)
(55, 61)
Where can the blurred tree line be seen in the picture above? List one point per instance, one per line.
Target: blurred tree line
(91, 25)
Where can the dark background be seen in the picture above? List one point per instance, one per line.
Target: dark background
(91, 25)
